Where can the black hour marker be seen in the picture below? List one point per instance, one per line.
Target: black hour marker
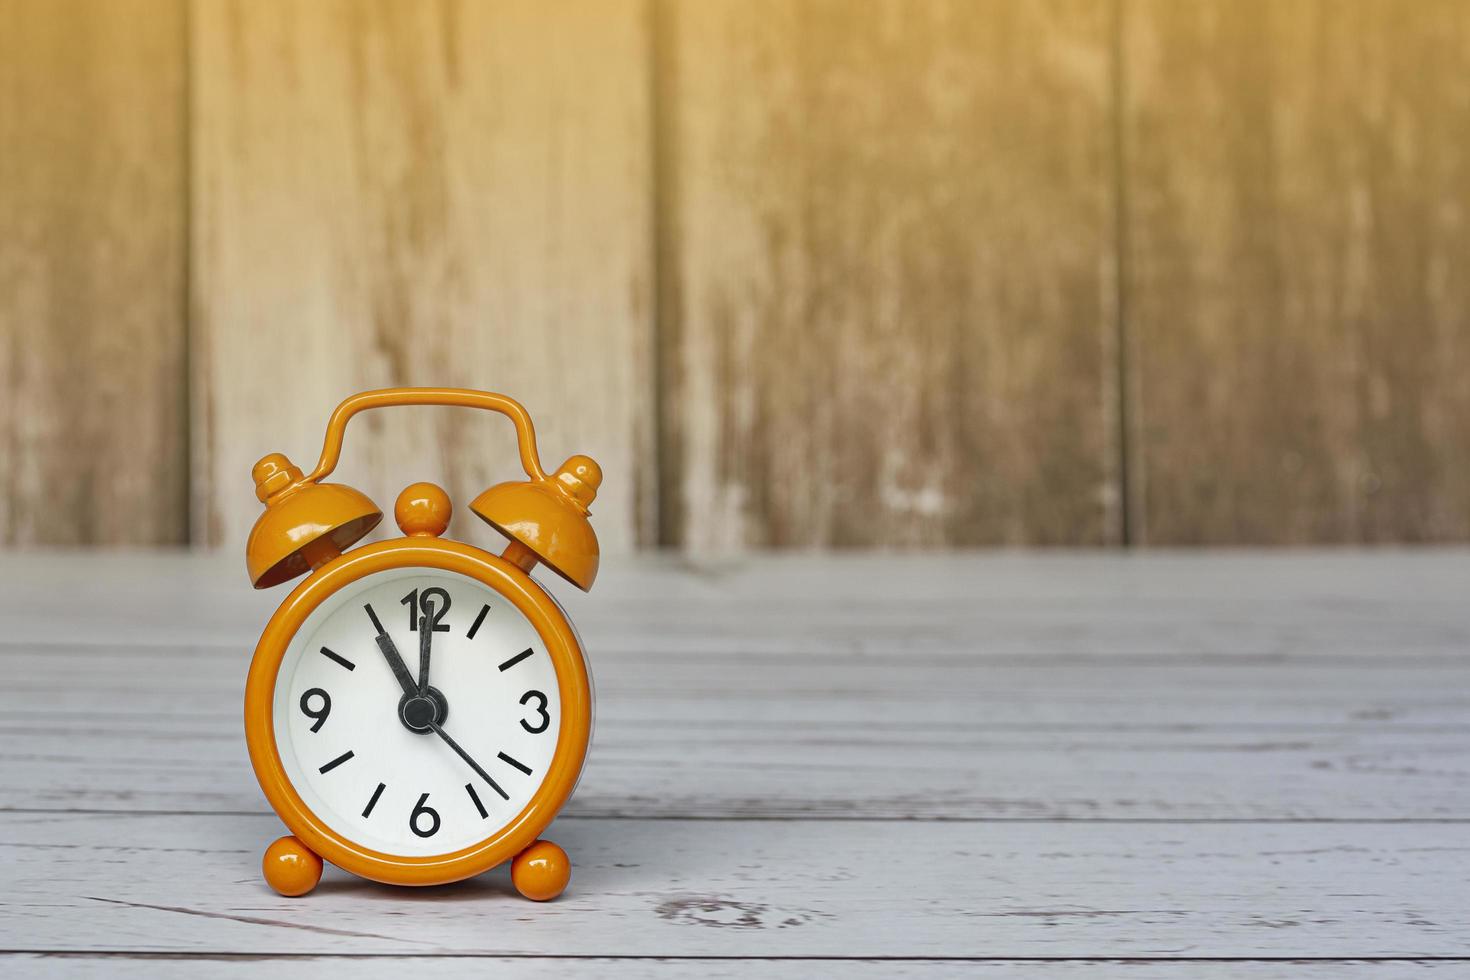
(374, 617)
(507, 760)
(338, 658)
(475, 626)
(374, 801)
(516, 659)
(470, 789)
(341, 759)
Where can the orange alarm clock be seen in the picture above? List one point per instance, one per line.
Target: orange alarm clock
(418, 710)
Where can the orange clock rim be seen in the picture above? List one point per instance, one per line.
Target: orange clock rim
(572, 683)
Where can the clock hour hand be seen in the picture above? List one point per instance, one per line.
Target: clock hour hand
(466, 757)
(390, 653)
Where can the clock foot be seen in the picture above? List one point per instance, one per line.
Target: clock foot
(541, 871)
(291, 868)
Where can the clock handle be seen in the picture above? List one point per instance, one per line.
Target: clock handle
(455, 397)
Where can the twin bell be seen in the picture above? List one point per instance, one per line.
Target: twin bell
(307, 523)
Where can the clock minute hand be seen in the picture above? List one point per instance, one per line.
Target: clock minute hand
(466, 757)
(390, 653)
(426, 638)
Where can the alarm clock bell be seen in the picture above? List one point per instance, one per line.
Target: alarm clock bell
(305, 524)
(308, 523)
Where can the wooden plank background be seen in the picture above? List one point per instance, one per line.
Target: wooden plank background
(93, 426)
(946, 273)
(886, 277)
(1298, 210)
(408, 193)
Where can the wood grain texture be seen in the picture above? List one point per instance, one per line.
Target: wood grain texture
(886, 260)
(408, 193)
(802, 737)
(1294, 607)
(1154, 765)
(92, 253)
(736, 888)
(1330, 606)
(1296, 186)
(43, 966)
(1158, 687)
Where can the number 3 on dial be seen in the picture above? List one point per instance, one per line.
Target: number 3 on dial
(540, 709)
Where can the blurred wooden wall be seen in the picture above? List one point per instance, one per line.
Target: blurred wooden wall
(798, 272)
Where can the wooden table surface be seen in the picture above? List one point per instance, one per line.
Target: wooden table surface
(1031, 765)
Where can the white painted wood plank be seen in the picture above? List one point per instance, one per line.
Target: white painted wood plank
(762, 736)
(1325, 688)
(777, 707)
(1339, 606)
(1278, 576)
(114, 967)
(739, 888)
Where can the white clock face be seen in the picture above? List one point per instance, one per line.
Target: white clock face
(407, 770)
